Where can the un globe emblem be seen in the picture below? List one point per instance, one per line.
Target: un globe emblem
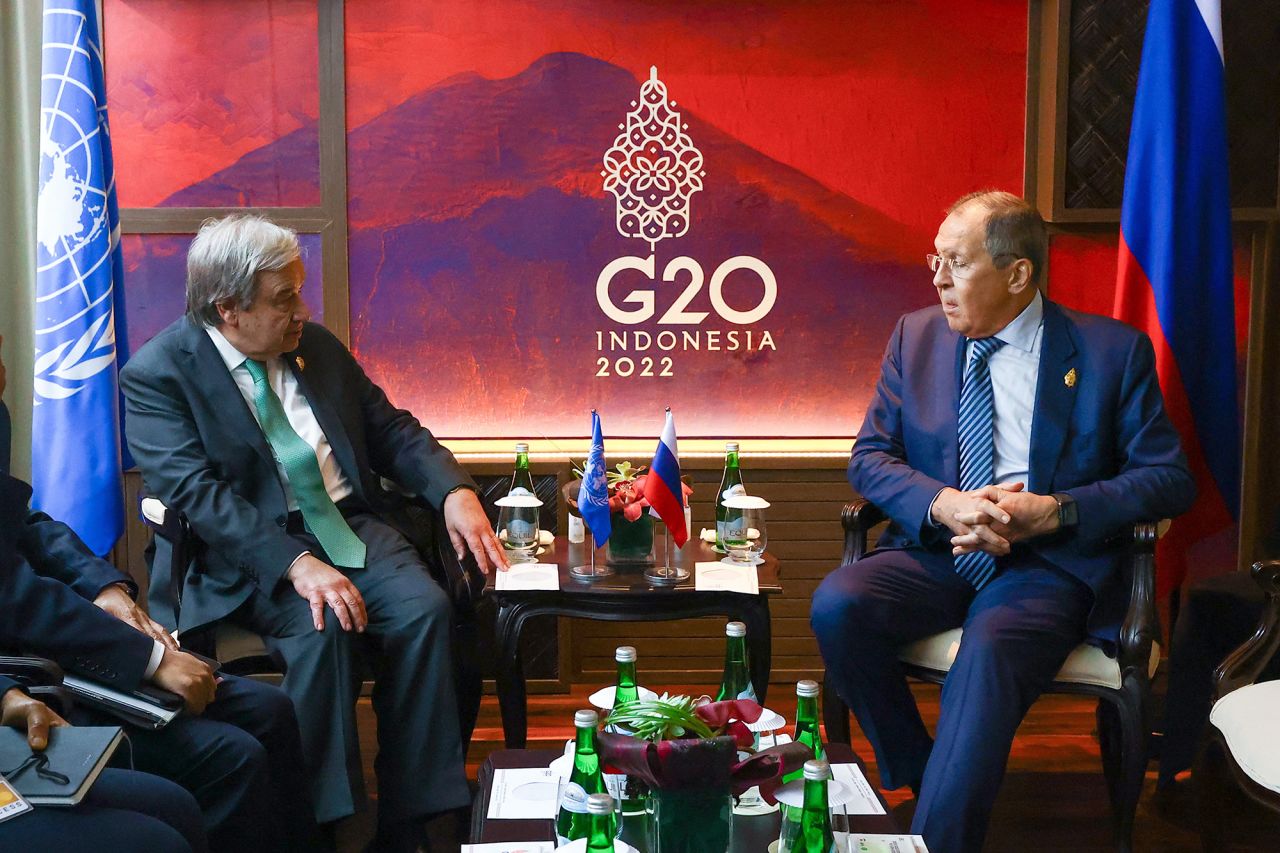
(75, 218)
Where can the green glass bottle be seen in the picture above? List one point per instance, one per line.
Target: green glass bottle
(807, 731)
(572, 820)
(601, 823)
(736, 681)
(727, 520)
(522, 479)
(815, 820)
(625, 690)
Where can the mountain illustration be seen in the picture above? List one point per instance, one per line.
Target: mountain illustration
(478, 226)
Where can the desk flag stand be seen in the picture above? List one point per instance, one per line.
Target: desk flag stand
(667, 574)
(591, 571)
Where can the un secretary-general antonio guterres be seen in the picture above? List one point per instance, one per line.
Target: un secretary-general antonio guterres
(263, 429)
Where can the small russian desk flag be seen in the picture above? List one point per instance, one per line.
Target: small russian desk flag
(662, 488)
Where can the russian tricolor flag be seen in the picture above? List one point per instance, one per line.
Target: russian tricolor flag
(662, 488)
(1174, 277)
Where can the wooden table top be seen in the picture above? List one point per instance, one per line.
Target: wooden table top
(629, 579)
(751, 834)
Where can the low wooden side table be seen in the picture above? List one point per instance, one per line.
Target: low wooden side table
(624, 596)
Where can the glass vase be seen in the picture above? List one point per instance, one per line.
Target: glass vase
(631, 542)
(689, 821)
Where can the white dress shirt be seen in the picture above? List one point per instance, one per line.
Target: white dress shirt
(1015, 373)
(296, 409)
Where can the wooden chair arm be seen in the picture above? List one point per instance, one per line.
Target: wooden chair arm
(1245, 664)
(1141, 626)
(858, 517)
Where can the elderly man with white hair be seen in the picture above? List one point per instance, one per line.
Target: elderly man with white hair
(262, 428)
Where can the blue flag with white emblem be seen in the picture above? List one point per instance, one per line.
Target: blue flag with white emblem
(79, 312)
(593, 495)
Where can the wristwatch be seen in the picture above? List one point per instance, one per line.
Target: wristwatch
(1068, 514)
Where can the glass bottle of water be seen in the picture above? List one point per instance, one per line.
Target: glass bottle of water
(728, 520)
(625, 690)
(736, 681)
(807, 731)
(815, 821)
(600, 828)
(586, 778)
(522, 479)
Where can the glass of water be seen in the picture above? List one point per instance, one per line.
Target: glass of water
(518, 525)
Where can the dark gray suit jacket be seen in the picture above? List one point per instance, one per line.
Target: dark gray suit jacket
(202, 452)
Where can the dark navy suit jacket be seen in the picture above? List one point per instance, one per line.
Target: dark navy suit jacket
(1103, 439)
(44, 616)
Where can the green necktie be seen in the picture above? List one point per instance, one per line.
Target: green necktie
(299, 460)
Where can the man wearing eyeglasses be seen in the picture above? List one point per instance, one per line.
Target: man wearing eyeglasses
(1010, 441)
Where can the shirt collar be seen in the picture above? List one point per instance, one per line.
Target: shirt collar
(230, 355)
(1024, 328)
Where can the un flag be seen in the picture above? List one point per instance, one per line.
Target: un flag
(79, 311)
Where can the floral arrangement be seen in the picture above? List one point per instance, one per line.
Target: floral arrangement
(626, 490)
(679, 742)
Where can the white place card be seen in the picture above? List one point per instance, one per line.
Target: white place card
(863, 799)
(719, 577)
(510, 847)
(860, 842)
(523, 793)
(528, 576)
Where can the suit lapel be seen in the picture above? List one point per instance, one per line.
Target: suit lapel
(330, 420)
(211, 374)
(1055, 398)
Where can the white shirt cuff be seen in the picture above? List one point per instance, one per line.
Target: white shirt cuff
(295, 562)
(157, 655)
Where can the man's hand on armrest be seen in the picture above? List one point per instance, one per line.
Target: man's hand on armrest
(469, 530)
(189, 677)
(117, 602)
(321, 584)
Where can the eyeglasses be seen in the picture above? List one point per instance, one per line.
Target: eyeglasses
(955, 266)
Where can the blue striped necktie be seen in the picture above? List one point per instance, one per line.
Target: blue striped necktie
(975, 426)
(302, 468)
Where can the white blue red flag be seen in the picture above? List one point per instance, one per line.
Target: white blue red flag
(1174, 278)
(79, 310)
(663, 489)
(593, 494)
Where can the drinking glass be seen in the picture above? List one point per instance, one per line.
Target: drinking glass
(518, 525)
(746, 534)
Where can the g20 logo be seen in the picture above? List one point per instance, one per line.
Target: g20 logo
(678, 313)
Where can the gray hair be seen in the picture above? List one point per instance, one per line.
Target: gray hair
(1015, 229)
(225, 258)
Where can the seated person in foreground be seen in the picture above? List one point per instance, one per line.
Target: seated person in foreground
(235, 747)
(266, 433)
(1011, 442)
(124, 811)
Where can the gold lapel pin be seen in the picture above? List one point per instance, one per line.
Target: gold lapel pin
(1070, 379)
(302, 365)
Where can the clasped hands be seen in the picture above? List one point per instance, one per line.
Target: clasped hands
(322, 585)
(994, 517)
(179, 672)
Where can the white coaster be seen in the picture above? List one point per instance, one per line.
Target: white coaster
(603, 698)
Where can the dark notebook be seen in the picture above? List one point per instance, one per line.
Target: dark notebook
(65, 771)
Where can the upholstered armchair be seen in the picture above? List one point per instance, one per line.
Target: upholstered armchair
(1122, 684)
(1240, 758)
